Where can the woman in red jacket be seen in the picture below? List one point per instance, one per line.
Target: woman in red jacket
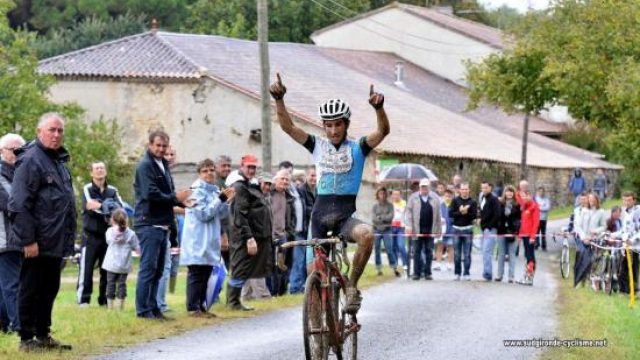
(528, 230)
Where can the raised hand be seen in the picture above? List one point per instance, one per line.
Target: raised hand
(277, 89)
(375, 99)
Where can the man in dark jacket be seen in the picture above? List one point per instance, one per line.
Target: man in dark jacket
(489, 221)
(10, 252)
(250, 241)
(95, 223)
(43, 211)
(463, 210)
(155, 198)
(223, 169)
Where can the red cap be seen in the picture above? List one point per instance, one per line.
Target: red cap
(249, 159)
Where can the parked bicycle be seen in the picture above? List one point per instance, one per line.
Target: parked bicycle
(607, 263)
(565, 267)
(325, 323)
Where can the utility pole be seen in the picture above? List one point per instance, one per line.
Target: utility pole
(263, 42)
(525, 140)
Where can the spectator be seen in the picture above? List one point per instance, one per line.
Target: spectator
(597, 224)
(250, 240)
(423, 222)
(614, 222)
(382, 218)
(457, 181)
(256, 288)
(528, 231)
(463, 211)
(172, 254)
(600, 184)
(498, 189)
(630, 225)
(283, 220)
(508, 230)
(223, 169)
(298, 178)
(98, 197)
(201, 242)
(42, 182)
(308, 193)
(446, 244)
(117, 262)
(545, 206)
(577, 185)
(397, 228)
(489, 222)
(298, 263)
(155, 198)
(10, 251)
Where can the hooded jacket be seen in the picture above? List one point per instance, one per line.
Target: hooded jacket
(577, 183)
(42, 203)
(6, 178)
(121, 243)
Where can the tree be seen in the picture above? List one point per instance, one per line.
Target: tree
(23, 98)
(580, 53)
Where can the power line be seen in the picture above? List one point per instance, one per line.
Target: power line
(398, 30)
(323, 6)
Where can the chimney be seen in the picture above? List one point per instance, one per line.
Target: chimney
(399, 73)
(154, 25)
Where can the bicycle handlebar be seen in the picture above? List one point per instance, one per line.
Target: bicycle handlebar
(312, 242)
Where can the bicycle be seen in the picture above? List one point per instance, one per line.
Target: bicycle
(606, 263)
(325, 323)
(565, 267)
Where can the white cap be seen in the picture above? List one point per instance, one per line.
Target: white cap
(425, 182)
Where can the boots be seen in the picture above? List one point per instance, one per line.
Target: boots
(110, 304)
(172, 284)
(233, 299)
(120, 304)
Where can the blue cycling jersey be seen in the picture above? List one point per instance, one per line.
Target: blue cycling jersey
(339, 168)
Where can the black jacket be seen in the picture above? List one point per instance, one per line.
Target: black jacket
(42, 202)
(155, 193)
(490, 213)
(509, 223)
(250, 218)
(7, 243)
(460, 219)
(95, 223)
(308, 197)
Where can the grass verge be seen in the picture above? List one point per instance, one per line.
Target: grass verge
(584, 314)
(94, 330)
(566, 211)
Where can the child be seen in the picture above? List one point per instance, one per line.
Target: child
(117, 261)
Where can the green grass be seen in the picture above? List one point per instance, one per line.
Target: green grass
(564, 212)
(584, 314)
(95, 330)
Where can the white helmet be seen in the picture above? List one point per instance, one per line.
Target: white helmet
(334, 109)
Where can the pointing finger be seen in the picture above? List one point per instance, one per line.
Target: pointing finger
(279, 79)
(371, 90)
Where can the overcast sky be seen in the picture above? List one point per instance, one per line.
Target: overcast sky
(518, 4)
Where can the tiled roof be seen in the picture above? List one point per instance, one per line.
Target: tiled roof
(423, 121)
(483, 33)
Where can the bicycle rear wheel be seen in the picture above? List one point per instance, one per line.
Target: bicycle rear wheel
(607, 276)
(564, 262)
(314, 320)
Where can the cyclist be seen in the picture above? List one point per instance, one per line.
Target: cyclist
(339, 165)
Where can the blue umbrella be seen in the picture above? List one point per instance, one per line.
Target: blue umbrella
(214, 285)
(407, 172)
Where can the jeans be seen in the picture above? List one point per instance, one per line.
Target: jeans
(164, 280)
(422, 245)
(488, 244)
(542, 235)
(197, 278)
(529, 254)
(506, 247)
(298, 274)
(399, 247)
(10, 263)
(153, 253)
(462, 242)
(385, 236)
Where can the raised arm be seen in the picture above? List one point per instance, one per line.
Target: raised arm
(277, 91)
(377, 101)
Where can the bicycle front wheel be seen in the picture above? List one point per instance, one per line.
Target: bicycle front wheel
(314, 321)
(564, 262)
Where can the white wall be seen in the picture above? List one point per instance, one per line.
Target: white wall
(403, 34)
(219, 122)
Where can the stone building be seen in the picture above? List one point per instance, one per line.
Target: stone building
(204, 90)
